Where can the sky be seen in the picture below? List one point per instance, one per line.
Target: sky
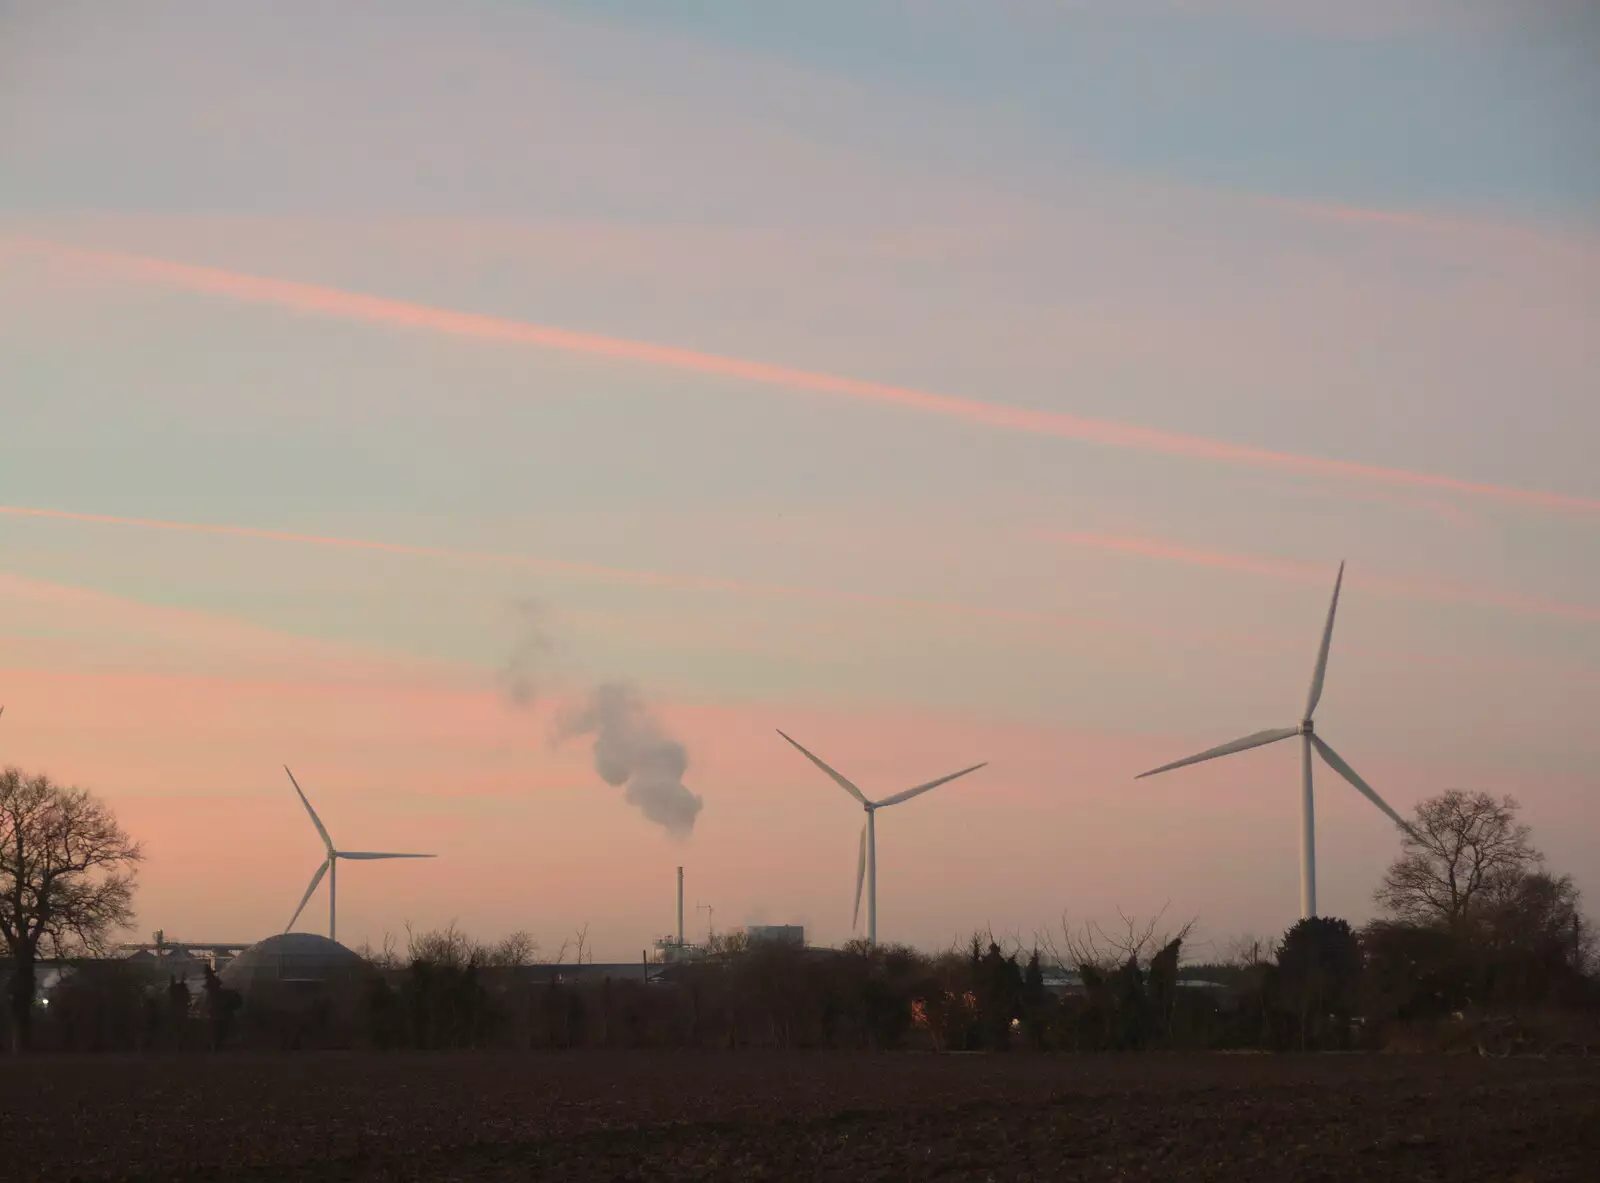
(939, 382)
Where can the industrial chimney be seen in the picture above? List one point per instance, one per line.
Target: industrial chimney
(680, 907)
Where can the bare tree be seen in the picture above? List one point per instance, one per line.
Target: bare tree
(1536, 910)
(1246, 951)
(385, 956)
(1463, 849)
(513, 951)
(1091, 945)
(451, 947)
(445, 947)
(66, 879)
(729, 943)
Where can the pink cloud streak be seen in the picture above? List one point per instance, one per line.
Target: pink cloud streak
(341, 662)
(1151, 548)
(66, 627)
(333, 302)
(592, 570)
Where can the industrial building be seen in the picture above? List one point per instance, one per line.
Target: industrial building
(776, 934)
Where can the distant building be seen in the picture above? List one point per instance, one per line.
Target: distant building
(1061, 981)
(776, 934)
(671, 951)
(182, 958)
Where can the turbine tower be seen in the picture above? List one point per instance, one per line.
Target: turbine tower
(867, 863)
(1309, 741)
(330, 866)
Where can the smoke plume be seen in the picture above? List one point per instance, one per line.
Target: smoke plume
(521, 675)
(633, 752)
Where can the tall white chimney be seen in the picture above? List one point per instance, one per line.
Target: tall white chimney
(680, 907)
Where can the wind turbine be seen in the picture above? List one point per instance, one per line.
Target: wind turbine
(1309, 741)
(330, 865)
(867, 864)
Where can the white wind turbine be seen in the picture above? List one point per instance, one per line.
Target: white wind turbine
(867, 865)
(1309, 741)
(330, 865)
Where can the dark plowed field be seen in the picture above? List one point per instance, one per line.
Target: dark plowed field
(747, 1116)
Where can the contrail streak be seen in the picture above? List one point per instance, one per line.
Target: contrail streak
(733, 586)
(333, 302)
(591, 570)
(1151, 548)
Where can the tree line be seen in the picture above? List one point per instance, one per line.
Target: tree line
(1478, 945)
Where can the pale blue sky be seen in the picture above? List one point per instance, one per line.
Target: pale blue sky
(1484, 103)
(1054, 206)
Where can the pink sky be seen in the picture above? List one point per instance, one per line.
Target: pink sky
(398, 754)
(196, 761)
(996, 391)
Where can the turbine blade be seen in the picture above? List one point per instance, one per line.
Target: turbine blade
(1336, 762)
(839, 780)
(315, 820)
(322, 870)
(1257, 740)
(932, 784)
(861, 876)
(1322, 654)
(369, 854)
